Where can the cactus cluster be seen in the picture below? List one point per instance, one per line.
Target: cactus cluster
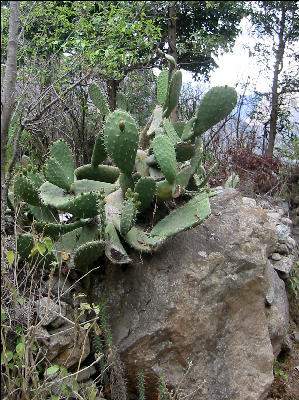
(159, 164)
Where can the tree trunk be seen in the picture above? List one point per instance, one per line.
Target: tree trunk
(8, 95)
(172, 50)
(275, 96)
(112, 86)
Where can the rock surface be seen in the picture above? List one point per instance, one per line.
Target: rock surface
(200, 299)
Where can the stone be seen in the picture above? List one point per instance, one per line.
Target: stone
(50, 313)
(199, 299)
(291, 243)
(287, 221)
(284, 266)
(273, 216)
(276, 256)
(282, 249)
(248, 201)
(68, 345)
(278, 313)
(283, 232)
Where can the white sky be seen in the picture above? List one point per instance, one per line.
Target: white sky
(235, 67)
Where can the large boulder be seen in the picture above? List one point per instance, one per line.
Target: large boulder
(196, 309)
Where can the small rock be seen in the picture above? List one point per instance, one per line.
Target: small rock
(287, 221)
(283, 232)
(276, 256)
(273, 216)
(291, 243)
(296, 337)
(248, 201)
(282, 249)
(48, 312)
(284, 266)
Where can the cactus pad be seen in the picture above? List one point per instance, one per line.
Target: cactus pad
(98, 98)
(121, 144)
(146, 188)
(191, 214)
(165, 155)
(217, 104)
(99, 152)
(26, 191)
(88, 253)
(102, 173)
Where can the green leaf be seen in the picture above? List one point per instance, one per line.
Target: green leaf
(20, 349)
(86, 326)
(63, 371)
(52, 370)
(41, 248)
(92, 395)
(49, 244)
(9, 355)
(75, 386)
(20, 300)
(10, 257)
(2, 315)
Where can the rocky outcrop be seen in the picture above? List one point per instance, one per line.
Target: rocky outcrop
(200, 309)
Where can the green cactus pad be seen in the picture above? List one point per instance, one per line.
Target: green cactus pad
(179, 127)
(44, 213)
(121, 101)
(191, 214)
(101, 173)
(217, 104)
(87, 185)
(25, 244)
(84, 205)
(128, 214)
(99, 151)
(56, 230)
(56, 174)
(36, 178)
(121, 140)
(114, 250)
(141, 164)
(170, 131)
(88, 253)
(188, 130)
(25, 190)
(164, 190)
(165, 155)
(162, 86)
(232, 181)
(146, 188)
(205, 179)
(98, 98)
(173, 93)
(184, 151)
(125, 182)
(63, 155)
(183, 178)
(140, 240)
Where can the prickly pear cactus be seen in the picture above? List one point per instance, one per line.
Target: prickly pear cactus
(107, 203)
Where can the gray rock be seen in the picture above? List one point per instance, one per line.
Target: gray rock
(291, 243)
(282, 249)
(50, 313)
(248, 201)
(278, 313)
(284, 266)
(276, 256)
(287, 221)
(67, 345)
(283, 232)
(199, 299)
